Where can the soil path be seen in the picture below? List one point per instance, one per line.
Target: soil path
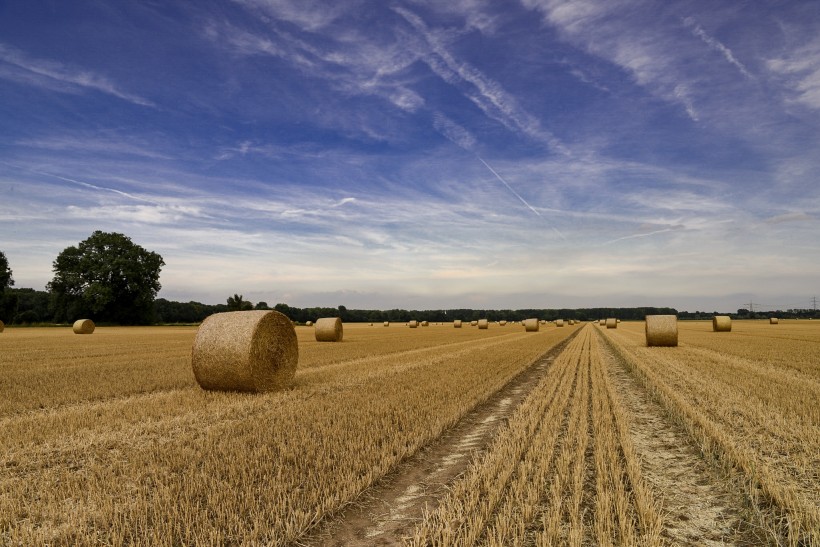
(386, 512)
(701, 505)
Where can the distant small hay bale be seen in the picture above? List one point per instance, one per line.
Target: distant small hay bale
(457, 324)
(245, 351)
(611, 323)
(425, 323)
(503, 323)
(661, 330)
(722, 323)
(773, 320)
(602, 322)
(371, 324)
(559, 322)
(473, 323)
(413, 324)
(483, 324)
(309, 324)
(83, 326)
(531, 325)
(387, 323)
(329, 329)
(2, 326)
(617, 320)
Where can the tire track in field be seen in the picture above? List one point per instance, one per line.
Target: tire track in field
(386, 512)
(701, 506)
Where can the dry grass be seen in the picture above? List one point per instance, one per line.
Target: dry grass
(245, 351)
(90, 458)
(752, 400)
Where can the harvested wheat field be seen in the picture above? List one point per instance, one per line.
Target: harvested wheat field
(437, 436)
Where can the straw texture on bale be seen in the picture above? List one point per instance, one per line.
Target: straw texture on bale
(413, 324)
(559, 322)
(531, 325)
(503, 323)
(611, 323)
(483, 324)
(473, 323)
(661, 330)
(329, 329)
(773, 320)
(457, 324)
(2, 326)
(252, 351)
(83, 326)
(722, 323)
(387, 323)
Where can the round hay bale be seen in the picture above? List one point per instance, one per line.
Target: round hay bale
(309, 324)
(245, 351)
(413, 324)
(602, 322)
(483, 324)
(2, 326)
(425, 323)
(371, 324)
(661, 330)
(559, 322)
(617, 320)
(83, 326)
(457, 324)
(473, 323)
(722, 323)
(612, 323)
(387, 323)
(329, 329)
(531, 325)
(503, 323)
(774, 320)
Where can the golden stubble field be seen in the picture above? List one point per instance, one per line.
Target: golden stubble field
(107, 439)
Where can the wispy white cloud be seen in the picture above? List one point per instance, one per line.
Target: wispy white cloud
(453, 131)
(311, 15)
(715, 44)
(800, 72)
(46, 73)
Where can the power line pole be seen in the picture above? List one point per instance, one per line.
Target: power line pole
(814, 303)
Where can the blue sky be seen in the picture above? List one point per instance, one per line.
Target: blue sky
(422, 154)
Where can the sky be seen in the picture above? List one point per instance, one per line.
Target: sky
(422, 154)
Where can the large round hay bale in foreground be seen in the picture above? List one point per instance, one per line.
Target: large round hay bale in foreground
(483, 324)
(457, 324)
(611, 323)
(774, 320)
(722, 323)
(559, 322)
(413, 324)
(661, 330)
(83, 326)
(531, 325)
(245, 351)
(329, 329)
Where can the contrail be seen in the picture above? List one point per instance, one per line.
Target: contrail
(635, 236)
(516, 194)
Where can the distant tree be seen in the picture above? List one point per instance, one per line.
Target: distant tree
(108, 278)
(238, 303)
(6, 280)
(261, 306)
(8, 301)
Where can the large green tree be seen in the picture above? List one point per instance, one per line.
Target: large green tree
(7, 300)
(107, 278)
